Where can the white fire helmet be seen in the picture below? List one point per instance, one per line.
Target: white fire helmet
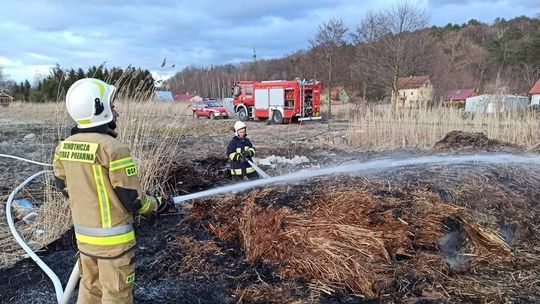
(88, 102)
(238, 126)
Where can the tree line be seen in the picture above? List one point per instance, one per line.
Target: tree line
(130, 83)
(385, 45)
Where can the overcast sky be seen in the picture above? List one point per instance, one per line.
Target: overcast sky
(37, 34)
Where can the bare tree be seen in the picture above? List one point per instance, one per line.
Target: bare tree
(530, 73)
(479, 60)
(3, 81)
(330, 37)
(392, 43)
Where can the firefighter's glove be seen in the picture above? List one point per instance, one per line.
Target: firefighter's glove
(165, 203)
(241, 158)
(247, 153)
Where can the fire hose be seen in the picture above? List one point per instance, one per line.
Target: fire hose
(259, 170)
(63, 296)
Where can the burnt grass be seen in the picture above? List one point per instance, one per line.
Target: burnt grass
(158, 258)
(158, 279)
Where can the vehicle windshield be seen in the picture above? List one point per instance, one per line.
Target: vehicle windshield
(213, 104)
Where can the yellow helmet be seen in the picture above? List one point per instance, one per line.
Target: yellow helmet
(88, 102)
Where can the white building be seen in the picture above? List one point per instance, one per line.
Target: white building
(493, 103)
(535, 94)
(414, 91)
(164, 96)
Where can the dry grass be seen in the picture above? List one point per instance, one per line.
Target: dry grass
(381, 127)
(383, 237)
(54, 218)
(152, 130)
(346, 239)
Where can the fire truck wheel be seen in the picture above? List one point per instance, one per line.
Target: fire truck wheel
(212, 116)
(242, 114)
(277, 118)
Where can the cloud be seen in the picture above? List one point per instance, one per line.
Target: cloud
(445, 11)
(524, 3)
(142, 32)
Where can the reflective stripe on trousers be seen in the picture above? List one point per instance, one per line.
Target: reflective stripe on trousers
(105, 236)
(239, 171)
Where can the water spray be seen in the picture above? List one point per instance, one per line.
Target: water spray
(367, 167)
(259, 170)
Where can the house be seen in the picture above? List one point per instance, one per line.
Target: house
(414, 91)
(188, 98)
(457, 97)
(5, 99)
(163, 96)
(496, 103)
(337, 94)
(535, 94)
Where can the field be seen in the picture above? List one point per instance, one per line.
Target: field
(433, 231)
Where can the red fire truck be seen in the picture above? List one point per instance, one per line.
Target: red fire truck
(278, 100)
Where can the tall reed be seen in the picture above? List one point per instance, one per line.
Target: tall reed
(383, 127)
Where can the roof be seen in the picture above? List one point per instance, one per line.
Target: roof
(163, 95)
(6, 96)
(459, 94)
(535, 88)
(411, 82)
(184, 97)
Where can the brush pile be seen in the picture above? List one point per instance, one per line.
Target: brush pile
(467, 142)
(444, 233)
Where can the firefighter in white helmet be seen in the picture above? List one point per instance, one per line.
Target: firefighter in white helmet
(239, 151)
(100, 178)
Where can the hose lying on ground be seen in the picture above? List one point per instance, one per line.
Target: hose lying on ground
(61, 296)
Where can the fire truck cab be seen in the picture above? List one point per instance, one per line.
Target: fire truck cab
(278, 100)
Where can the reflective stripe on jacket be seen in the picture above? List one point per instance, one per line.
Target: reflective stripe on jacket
(234, 150)
(93, 166)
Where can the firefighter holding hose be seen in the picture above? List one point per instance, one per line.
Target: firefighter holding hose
(100, 177)
(240, 151)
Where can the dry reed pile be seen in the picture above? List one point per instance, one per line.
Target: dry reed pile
(401, 236)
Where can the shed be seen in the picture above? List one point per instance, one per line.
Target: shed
(492, 103)
(535, 94)
(188, 98)
(337, 94)
(5, 99)
(457, 97)
(164, 96)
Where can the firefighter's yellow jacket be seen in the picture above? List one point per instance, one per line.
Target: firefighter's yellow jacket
(101, 179)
